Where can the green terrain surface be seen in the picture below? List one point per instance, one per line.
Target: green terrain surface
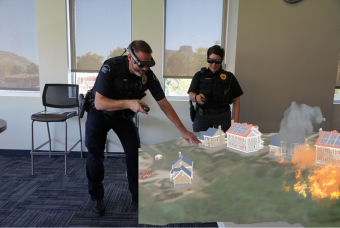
(229, 186)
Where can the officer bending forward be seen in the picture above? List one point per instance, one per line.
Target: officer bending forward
(120, 85)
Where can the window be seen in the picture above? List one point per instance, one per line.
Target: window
(188, 35)
(96, 38)
(19, 64)
(249, 140)
(217, 139)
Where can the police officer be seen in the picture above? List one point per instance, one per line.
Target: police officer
(120, 85)
(213, 89)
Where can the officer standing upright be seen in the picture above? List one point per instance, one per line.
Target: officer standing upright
(120, 85)
(213, 90)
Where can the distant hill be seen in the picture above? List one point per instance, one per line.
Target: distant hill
(13, 59)
(185, 49)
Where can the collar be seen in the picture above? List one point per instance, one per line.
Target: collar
(216, 73)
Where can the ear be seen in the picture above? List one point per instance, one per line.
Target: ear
(129, 56)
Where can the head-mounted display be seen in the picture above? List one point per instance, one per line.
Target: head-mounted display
(140, 63)
(217, 61)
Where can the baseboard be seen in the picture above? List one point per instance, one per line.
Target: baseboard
(74, 154)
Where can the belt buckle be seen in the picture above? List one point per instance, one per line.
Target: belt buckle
(200, 111)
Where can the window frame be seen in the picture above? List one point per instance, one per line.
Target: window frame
(24, 92)
(71, 29)
(223, 44)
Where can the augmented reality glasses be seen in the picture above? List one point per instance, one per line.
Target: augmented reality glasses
(141, 63)
(217, 61)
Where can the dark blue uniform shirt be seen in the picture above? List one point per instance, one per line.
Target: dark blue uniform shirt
(105, 81)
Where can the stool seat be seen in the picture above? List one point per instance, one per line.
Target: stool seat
(52, 116)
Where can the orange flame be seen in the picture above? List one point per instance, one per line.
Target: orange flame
(303, 156)
(301, 188)
(325, 182)
(298, 174)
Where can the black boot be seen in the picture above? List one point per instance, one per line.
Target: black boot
(99, 207)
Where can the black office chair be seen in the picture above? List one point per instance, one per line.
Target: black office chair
(57, 96)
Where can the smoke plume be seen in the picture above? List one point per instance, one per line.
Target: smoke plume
(298, 121)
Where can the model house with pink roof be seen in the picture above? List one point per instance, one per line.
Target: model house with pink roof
(244, 137)
(328, 147)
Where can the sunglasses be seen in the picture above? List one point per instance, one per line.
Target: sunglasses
(217, 61)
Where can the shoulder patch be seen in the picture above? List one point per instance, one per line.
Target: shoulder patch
(105, 68)
(155, 77)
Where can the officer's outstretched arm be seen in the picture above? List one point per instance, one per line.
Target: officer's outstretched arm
(172, 115)
(104, 103)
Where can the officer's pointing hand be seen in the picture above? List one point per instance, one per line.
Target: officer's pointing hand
(199, 98)
(190, 137)
(135, 106)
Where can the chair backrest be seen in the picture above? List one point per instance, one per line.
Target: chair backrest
(61, 95)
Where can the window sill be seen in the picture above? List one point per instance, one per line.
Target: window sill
(4, 93)
(177, 98)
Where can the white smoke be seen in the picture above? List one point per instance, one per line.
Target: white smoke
(298, 121)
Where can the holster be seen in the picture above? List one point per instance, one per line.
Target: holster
(85, 103)
(192, 111)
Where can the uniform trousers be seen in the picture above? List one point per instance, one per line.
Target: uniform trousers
(97, 127)
(204, 122)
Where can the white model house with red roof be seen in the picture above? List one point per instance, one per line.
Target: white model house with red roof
(182, 171)
(244, 137)
(328, 148)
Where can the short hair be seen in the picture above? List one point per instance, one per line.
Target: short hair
(141, 45)
(217, 50)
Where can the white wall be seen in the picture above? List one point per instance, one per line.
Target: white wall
(285, 53)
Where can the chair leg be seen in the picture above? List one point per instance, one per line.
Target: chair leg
(49, 137)
(81, 139)
(32, 159)
(106, 145)
(65, 147)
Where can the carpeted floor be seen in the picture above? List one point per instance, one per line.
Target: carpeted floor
(50, 199)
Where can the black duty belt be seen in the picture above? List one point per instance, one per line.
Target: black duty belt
(202, 111)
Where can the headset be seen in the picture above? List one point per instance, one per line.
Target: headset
(140, 63)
